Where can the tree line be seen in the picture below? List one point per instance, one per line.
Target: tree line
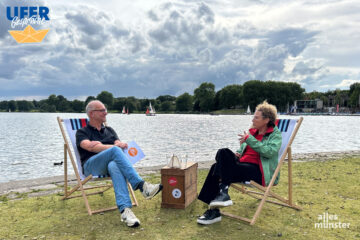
(204, 99)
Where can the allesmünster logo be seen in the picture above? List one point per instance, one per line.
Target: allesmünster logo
(21, 16)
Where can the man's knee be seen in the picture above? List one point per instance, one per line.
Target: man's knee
(115, 151)
(112, 167)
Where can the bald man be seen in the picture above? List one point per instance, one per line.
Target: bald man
(101, 153)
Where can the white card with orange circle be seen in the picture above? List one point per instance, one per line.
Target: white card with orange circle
(134, 152)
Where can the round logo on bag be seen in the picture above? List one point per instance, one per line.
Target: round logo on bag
(176, 193)
(133, 152)
(172, 181)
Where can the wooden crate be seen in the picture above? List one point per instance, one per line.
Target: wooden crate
(180, 186)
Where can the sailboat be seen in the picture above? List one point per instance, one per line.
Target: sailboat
(123, 111)
(127, 111)
(150, 112)
(248, 111)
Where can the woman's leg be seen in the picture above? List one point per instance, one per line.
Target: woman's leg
(211, 186)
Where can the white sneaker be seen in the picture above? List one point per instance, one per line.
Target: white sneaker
(150, 190)
(129, 217)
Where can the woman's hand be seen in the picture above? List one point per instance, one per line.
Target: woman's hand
(243, 137)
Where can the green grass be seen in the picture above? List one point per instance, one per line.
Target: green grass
(319, 187)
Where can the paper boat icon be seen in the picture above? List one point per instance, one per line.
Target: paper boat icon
(29, 35)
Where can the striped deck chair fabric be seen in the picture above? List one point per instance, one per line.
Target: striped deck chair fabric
(286, 126)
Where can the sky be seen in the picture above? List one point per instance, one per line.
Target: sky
(148, 48)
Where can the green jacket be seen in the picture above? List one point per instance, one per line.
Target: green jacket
(268, 149)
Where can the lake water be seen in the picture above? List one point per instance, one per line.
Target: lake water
(31, 142)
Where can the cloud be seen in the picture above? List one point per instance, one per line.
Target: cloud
(171, 47)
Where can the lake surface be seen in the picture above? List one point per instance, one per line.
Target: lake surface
(30, 143)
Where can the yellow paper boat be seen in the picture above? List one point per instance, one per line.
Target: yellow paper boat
(29, 35)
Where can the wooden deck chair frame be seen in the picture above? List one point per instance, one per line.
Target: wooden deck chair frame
(81, 182)
(265, 192)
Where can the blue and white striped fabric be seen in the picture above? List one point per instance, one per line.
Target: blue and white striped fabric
(286, 126)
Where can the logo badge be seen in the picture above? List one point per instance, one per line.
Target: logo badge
(21, 16)
(133, 151)
(176, 193)
(29, 35)
(172, 181)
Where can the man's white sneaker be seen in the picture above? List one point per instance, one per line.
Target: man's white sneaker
(129, 217)
(150, 190)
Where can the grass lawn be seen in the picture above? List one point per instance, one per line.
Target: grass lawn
(320, 187)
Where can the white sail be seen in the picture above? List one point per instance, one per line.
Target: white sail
(248, 110)
(152, 111)
(123, 111)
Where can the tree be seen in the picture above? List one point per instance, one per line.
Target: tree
(205, 95)
(106, 98)
(77, 106)
(164, 98)
(167, 106)
(12, 105)
(354, 94)
(230, 96)
(44, 107)
(89, 98)
(184, 102)
(253, 93)
(4, 105)
(24, 106)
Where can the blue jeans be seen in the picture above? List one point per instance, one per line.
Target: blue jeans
(114, 162)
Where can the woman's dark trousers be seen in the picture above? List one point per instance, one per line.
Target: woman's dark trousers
(227, 170)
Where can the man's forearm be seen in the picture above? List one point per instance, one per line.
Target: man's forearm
(100, 147)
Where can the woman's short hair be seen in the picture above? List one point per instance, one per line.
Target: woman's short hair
(268, 111)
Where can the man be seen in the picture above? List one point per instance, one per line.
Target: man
(101, 153)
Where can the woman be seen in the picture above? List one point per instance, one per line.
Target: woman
(256, 160)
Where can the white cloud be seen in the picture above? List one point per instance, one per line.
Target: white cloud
(148, 48)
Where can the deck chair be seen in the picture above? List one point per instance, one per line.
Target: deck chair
(288, 128)
(71, 126)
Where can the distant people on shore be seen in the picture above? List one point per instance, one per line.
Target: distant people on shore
(256, 160)
(101, 153)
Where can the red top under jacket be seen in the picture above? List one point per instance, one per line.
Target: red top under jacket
(251, 156)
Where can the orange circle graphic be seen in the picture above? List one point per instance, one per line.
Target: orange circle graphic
(133, 152)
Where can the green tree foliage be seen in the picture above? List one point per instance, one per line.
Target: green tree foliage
(107, 98)
(78, 106)
(278, 93)
(164, 98)
(12, 105)
(253, 93)
(184, 102)
(230, 96)
(24, 106)
(204, 95)
(355, 94)
(89, 98)
(205, 99)
(4, 106)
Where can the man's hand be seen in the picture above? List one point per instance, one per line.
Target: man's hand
(238, 155)
(122, 145)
